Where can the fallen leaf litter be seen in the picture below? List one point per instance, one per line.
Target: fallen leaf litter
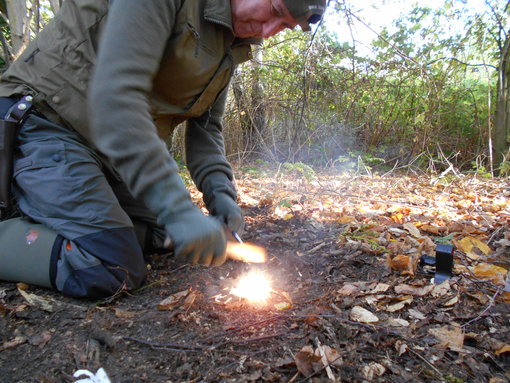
(349, 298)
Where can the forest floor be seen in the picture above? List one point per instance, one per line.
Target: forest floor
(351, 300)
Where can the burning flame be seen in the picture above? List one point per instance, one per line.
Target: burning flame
(254, 286)
(246, 252)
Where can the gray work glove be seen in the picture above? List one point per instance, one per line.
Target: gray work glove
(220, 199)
(226, 210)
(195, 238)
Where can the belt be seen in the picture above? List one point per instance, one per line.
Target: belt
(19, 109)
(14, 112)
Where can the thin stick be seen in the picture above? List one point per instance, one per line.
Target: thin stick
(320, 370)
(247, 326)
(491, 303)
(165, 346)
(324, 360)
(238, 341)
(427, 362)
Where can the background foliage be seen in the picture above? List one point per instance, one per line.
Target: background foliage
(424, 94)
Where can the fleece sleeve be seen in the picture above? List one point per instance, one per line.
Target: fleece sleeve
(205, 148)
(129, 56)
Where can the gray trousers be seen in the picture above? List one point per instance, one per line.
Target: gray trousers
(63, 183)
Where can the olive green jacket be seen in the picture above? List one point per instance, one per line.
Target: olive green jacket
(124, 73)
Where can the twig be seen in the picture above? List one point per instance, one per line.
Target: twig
(426, 362)
(195, 348)
(329, 364)
(324, 360)
(216, 346)
(491, 303)
(247, 326)
(494, 234)
(165, 346)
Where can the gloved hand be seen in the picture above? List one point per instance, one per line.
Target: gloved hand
(226, 210)
(196, 238)
(220, 199)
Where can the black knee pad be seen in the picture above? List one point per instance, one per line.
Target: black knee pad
(101, 264)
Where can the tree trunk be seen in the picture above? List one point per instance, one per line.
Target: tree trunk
(502, 123)
(18, 23)
(255, 132)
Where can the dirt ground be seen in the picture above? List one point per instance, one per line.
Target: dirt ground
(350, 302)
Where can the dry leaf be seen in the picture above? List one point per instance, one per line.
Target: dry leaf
(441, 289)
(13, 343)
(306, 360)
(283, 306)
(22, 286)
(189, 300)
(372, 299)
(283, 212)
(450, 337)
(345, 219)
(503, 242)
(380, 288)
(119, 313)
(372, 370)
(493, 273)
(468, 244)
(412, 229)
(452, 301)
(431, 229)
(40, 339)
(359, 314)
(413, 290)
(284, 362)
(455, 227)
(173, 300)
(401, 347)
(399, 305)
(416, 314)
(45, 304)
(319, 351)
(404, 263)
(266, 202)
(503, 350)
(427, 246)
(397, 218)
(332, 356)
(498, 379)
(397, 322)
(349, 289)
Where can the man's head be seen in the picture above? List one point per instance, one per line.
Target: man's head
(265, 18)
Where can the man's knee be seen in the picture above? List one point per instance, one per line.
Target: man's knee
(100, 264)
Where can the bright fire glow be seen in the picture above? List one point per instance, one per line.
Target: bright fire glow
(246, 252)
(254, 286)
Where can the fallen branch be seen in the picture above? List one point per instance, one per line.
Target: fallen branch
(195, 348)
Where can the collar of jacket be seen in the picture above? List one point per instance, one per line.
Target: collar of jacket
(220, 12)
